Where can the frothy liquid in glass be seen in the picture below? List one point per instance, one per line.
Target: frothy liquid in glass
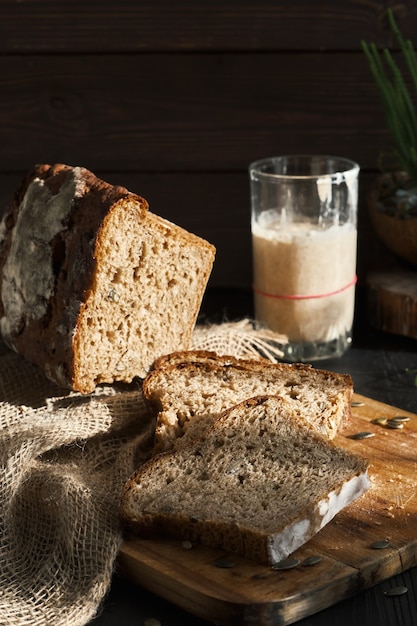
(300, 259)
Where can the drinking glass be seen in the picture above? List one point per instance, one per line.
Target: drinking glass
(304, 238)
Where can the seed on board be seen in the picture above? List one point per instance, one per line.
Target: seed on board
(224, 563)
(380, 421)
(357, 403)
(187, 545)
(311, 560)
(380, 545)
(361, 435)
(394, 425)
(286, 564)
(396, 591)
(400, 418)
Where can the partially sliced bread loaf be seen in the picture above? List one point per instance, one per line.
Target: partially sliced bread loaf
(186, 385)
(259, 482)
(94, 286)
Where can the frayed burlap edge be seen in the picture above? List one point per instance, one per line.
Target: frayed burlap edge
(241, 339)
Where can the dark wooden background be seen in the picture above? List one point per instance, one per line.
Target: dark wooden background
(174, 99)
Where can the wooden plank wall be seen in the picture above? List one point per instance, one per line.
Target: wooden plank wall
(175, 99)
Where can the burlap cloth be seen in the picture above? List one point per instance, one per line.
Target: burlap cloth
(64, 459)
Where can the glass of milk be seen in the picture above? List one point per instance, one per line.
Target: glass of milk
(304, 234)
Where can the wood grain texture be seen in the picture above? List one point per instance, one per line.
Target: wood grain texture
(173, 112)
(254, 594)
(127, 25)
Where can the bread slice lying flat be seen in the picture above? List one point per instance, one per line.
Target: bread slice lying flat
(94, 287)
(186, 385)
(260, 482)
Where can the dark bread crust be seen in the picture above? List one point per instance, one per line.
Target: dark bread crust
(73, 261)
(84, 266)
(185, 358)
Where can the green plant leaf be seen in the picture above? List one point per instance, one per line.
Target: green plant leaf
(397, 102)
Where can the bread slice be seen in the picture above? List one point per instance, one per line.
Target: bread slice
(185, 385)
(260, 482)
(94, 287)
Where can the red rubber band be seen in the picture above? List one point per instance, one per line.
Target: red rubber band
(313, 296)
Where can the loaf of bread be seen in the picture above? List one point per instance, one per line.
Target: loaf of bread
(94, 287)
(260, 482)
(183, 386)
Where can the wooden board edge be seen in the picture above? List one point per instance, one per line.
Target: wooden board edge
(217, 605)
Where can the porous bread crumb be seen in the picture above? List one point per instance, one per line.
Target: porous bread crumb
(146, 284)
(259, 481)
(186, 385)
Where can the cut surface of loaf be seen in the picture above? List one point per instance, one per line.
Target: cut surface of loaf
(260, 482)
(184, 386)
(93, 285)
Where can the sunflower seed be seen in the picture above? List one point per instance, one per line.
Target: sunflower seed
(381, 421)
(286, 564)
(396, 591)
(311, 560)
(394, 425)
(357, 403)
(400, 418)
(380, 545)
(361, 435)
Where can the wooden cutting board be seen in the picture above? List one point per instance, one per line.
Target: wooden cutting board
(253, 594)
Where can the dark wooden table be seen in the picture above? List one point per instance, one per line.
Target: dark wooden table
(382, 367)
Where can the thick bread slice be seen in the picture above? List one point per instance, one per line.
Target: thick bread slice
(186, 385)
(94, 286)
(259, 482)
